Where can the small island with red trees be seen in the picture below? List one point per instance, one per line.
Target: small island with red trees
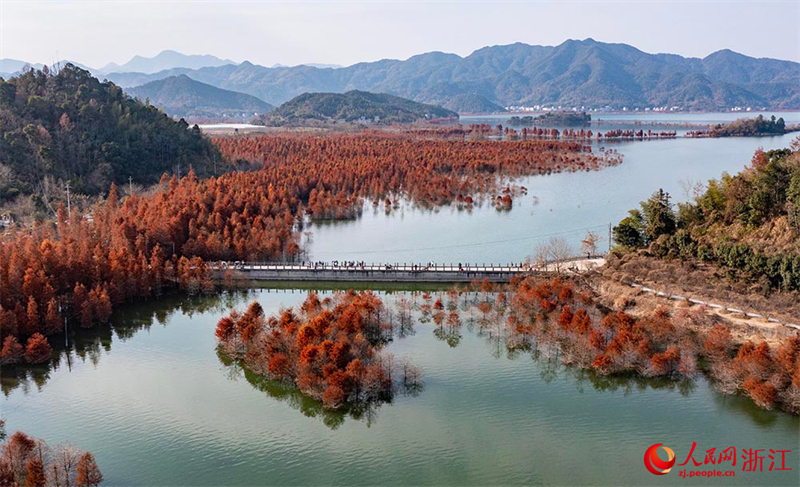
(330, 349)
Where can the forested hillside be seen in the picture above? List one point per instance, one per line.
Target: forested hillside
(181, 96)
(353, 106)
(70, 127)
(471, 103)
(748, 225)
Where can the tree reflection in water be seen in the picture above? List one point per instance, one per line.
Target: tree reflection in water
(291, 395)
(409, 308)
(82, 344)
(449, 313)
(335, 343)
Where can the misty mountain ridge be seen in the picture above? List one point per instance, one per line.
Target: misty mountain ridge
(583, 74)
(13, 67)
(313, 65)
(167, 59)
(164, 60)
(144, 66)
(182, 97)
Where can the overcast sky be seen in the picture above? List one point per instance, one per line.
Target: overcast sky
(95, 32)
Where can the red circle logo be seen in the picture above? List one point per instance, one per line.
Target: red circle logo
(654, 464)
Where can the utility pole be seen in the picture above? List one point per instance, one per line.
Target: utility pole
(69, 207)
(130, 186)
(63, 310)
(609, 238)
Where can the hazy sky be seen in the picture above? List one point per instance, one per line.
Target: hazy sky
(97, 32)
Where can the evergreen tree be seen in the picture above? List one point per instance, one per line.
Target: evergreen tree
(659, 216)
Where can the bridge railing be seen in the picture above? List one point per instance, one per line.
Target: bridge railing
(351, 266)
(404, 267)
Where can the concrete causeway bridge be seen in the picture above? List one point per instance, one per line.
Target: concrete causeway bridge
(434, 273)
(396, 272)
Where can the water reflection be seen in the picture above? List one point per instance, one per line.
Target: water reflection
(568, 204)
(291, 395)
(363, 392)
(409, 312)
(449, 313)
(89, 345)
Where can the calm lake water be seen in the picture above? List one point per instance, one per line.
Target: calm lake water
(566, 204)
(157, 406)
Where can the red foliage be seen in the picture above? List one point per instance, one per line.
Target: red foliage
(333, 397)
(666, 363)
(330, 351)
(565, 318)
(78, 269)
(602, 363)
(31, 462)
(278, 366)
(617, 343)
(763, 393)
(12, 351)
(652, 345)
(37, 349)
(88, 474)
(548, 305)
(718, 342)
(35, 473)
(225, 328)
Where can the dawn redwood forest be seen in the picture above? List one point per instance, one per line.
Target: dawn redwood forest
(330, 349)
(75, 269)
(477, 265)
(565, 316)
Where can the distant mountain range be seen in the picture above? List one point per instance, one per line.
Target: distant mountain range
(165, 60)
(352, 106)
(181, 96)
(13, 67)
(9, 66)
(313, 65)
(584, 73)
(581, 74)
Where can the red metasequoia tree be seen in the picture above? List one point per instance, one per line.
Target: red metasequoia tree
(330, 349)
(37, 350)
(31, 462)
(553, 313)
(75, 269)
(87, 472)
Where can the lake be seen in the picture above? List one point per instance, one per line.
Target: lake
(565, 204)
(157, 405)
